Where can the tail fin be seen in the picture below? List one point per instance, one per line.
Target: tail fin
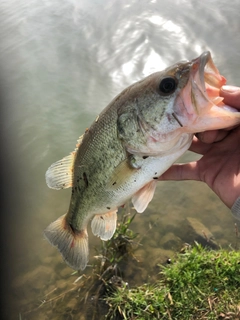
(72, 246)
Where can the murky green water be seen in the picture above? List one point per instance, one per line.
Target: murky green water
(61, 63)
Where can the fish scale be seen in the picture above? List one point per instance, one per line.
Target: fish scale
(97, 157)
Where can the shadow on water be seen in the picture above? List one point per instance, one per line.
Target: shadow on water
(60, 65)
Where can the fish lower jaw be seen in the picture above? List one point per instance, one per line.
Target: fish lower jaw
(216, 118)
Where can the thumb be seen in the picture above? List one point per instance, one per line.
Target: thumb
(185, 171)
(231, 95)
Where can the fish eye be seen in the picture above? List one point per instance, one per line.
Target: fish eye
(168, 85)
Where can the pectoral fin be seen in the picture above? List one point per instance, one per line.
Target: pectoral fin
(143, 196)
(124, 171)
(60, 174)
(121, 174)
(104, 225)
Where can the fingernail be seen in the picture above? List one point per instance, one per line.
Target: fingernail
(230, 88)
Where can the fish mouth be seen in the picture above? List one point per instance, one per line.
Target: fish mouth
(206, 78)
(199, 106)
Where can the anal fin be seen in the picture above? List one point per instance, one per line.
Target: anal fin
(143, 196)
(104, 225)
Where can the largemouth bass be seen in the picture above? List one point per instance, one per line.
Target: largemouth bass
(135, 139)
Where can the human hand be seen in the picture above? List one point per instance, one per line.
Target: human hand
(219, 167)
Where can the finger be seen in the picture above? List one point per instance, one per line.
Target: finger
(199, 147)
(203, 141)
(231, 96)
(212, 136)
(186, 171)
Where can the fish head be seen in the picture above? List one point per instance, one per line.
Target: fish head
(168, 107)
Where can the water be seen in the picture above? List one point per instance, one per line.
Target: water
(61, 63)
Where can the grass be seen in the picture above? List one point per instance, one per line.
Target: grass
(118, 247)
(199, 284)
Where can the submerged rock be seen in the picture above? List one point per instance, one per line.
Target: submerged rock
(170, 241)
(35, 279)
(196, 231)
(159, 256)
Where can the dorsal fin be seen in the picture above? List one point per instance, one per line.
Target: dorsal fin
(60, 174)
(79, 141)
